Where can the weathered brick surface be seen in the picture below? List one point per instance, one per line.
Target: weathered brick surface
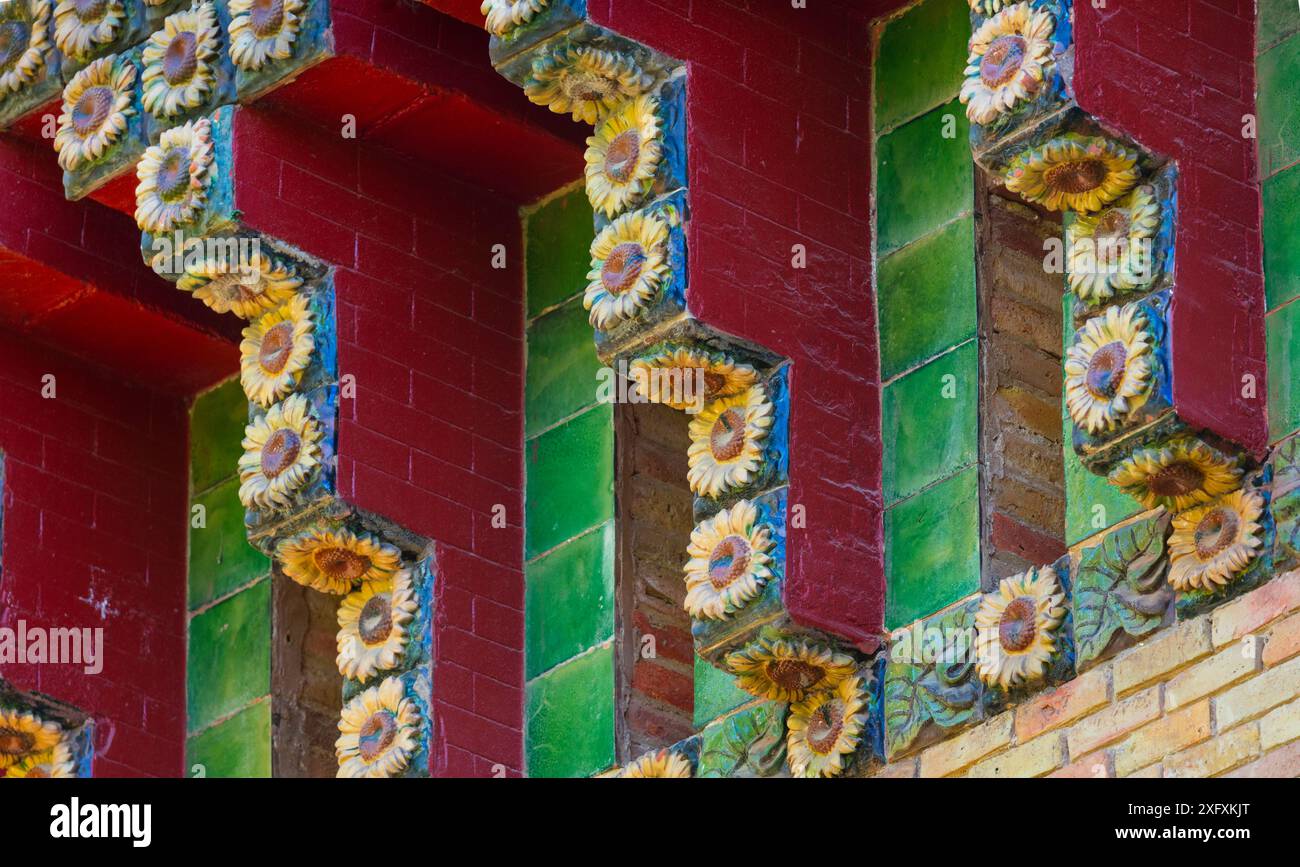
(956, 753)
(1168, 651)
(1169, 707)
(1178, 730)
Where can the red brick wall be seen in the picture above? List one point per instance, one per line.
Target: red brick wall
(95, 498)
(1179, 76)
(779, 139)
(433, 439)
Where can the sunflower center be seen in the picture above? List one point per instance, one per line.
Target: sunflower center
(91, 109)
(280, 452)
(38, 773)
(1176, 480)
(376, 621)
(824, 727)
(729, 560)
(15, 743)
(1106, 369)
(587, 87)
(1017, 628)
(727, 439)
(13, 42)
(341, 563)
(180, 59)
(90, 11)
(1076, 176)
(621, 156)
(1216, 532)
(376, 735)
(714, 383)
(1003, 60)
(794, 674)
(277, 345)
(622, 268)
(266, 17)
(174, 174)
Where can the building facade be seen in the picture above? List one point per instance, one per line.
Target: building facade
(649, 388)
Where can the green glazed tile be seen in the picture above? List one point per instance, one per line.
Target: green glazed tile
(1283, 327)
(931, 422)
(1278, 72)
(1275, 21)
(570, 599)
(570, 485)
(927, 297)
(229, 656)
(716, 693)
(1091, 503)
(1281, 229)
(558, 251)
(919, 60)
(217, 422)
(932, 549)
(571, 717)
(923, 179)
(236, 747)
(562, 367)
(220, 557)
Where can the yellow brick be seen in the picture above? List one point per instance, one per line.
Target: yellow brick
(1064, 704)
(1092, 766)
(1257, 608)
(1112, 723)
(1283, 641)
(1150, 772)
(1280, 726)
(1260, 693)
(947, 757)
(1216, 756)
(1208, 676)
(1283, 762)
(904, 769)
(1167, 651)
(1178, 730)
(1038, 757)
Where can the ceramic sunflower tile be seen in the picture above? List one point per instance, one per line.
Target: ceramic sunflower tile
(269, 42)
(86, 30)
(1224, 548)
(519, 25)
(29, 64)
(101, 128)
(185, 68)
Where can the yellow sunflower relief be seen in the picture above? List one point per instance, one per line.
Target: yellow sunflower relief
(728, 563)
(23, 734)
(629, 262)
(1010, 57)
(336, 561)
(372, 626)
(1016, 628)
(1074, 173)
(379, 730)
(585, 82)
(1108, 369)
(1212, 544)
(276, 349)
(727, 441)
(262, 31)
(231, 284)
(825, 728)
(178, 62)
(1182, 474)
(24, 42)
(623, 156)
(83, 25)
(664, 763)
(51, 764)
(671, 376)
(788, 670)
(96, 106)
(174, 177)
(1111, 251)
(502, 16)
(281, 450)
